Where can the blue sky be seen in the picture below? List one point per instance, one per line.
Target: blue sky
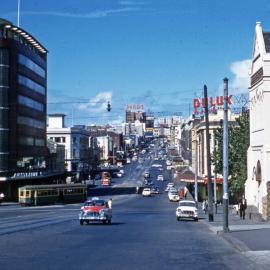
(156, 52)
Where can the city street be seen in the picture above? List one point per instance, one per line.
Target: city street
(144, 235)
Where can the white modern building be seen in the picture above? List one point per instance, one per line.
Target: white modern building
(257, 186)
(75, 139)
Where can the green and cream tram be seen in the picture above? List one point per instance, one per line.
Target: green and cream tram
(51, 194)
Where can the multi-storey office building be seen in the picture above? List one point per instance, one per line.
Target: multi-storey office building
(23, 91)
(23, 96)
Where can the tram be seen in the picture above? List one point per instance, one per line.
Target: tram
(52, 194)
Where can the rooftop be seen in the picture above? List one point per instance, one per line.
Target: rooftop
(14, 32)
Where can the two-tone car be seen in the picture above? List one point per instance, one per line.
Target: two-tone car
(187, 210)
(95, 210)
(173, 196)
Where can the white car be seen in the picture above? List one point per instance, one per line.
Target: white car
(187, 209)
(146, 192)
(119, 174)
(173, 196)
(160, 177)
(169, 185)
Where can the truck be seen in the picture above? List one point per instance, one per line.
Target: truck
(105, 179)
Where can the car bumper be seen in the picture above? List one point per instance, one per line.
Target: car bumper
(182, 215)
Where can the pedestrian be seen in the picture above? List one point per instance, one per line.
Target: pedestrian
(205, 206)
(242, 207)
(110, 203)
(185, 191)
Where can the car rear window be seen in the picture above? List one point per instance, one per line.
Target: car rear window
(187, 204)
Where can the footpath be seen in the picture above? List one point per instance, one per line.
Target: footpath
(249, 237)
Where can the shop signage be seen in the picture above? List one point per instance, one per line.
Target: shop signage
(135, 107)
(214, 103)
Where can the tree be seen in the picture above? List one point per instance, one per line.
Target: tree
(238, 146)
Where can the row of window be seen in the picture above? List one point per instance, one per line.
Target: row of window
(58, 139)
(22, 80)
(28, 102)
(51, 192)
(31, 122)
(4, 76)
(25, 61)
(31, 141)
(4, 57)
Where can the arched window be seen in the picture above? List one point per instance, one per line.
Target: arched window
(259, 173)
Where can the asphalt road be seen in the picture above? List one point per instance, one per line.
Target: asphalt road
(144, 235)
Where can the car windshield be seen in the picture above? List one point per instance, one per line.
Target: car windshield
(173, 193)
(95, 203)
(187, 204)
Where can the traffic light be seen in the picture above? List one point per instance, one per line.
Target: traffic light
(108, 107)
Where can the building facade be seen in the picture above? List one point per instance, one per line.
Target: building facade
(76, 142)
(257, 186)
(23, 95)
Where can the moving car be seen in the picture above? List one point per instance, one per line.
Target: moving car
(146, 174)
(160, 177)
(169, 185)
(95, 210)
(187, 209)
(154, 190)
(173, 196)
(146, 192)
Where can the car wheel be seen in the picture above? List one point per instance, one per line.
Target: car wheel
(104, 221)
(109, 221)
(81, 222)
(196, 219)
(178, 218)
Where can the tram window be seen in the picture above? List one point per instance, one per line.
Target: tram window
(21, 193)
(42, 193)
(27, 193)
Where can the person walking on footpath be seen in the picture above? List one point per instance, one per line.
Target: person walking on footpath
(243, 207)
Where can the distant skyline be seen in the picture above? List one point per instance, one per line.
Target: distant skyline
(155, 52)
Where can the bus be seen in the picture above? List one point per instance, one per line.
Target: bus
(106, 179)
(52, 194)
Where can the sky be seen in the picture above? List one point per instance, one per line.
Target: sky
(159, 53)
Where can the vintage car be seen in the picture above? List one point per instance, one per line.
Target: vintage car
(187, 209)
(95, 210)
(173, 196)
(146, 192)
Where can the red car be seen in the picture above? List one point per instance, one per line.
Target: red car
(95, 210)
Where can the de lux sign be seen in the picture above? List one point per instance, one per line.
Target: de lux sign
(212, 102)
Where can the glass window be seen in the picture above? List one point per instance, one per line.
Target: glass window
(4, 57)
(25, 61)
(63, 139)
(4, 76)
(57, 139)
(39, 142)
(24, 140)
(29, 102)
(29, 121)
(22, 80)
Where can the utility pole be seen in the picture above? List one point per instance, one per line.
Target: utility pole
(225, 159)
(196, 172)
(209, 178)
(215, 188)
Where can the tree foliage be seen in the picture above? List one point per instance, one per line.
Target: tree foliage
(238, 138)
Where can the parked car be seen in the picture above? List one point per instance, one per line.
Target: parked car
(187, 209)
(146, 192)
(160, 177)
